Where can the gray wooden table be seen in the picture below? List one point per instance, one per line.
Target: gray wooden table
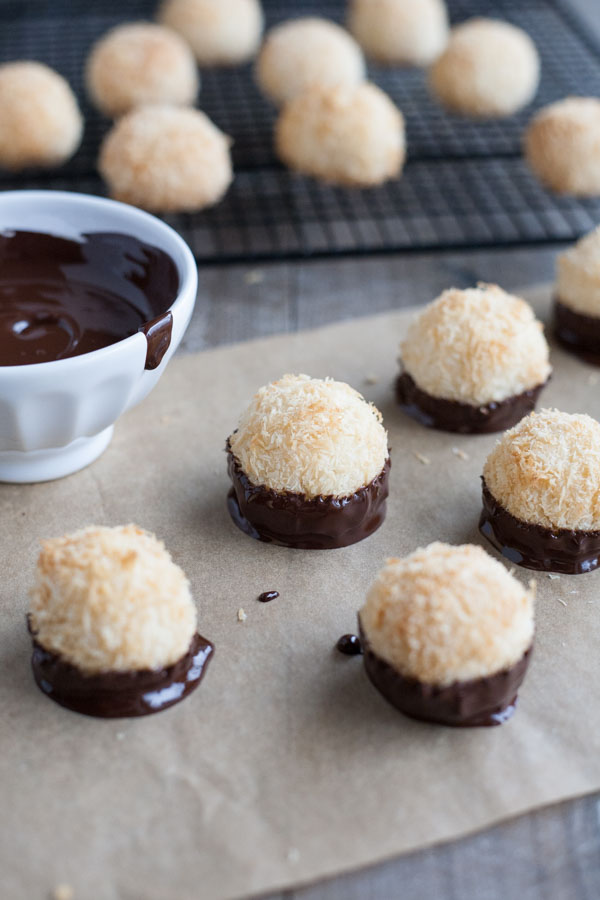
(552, 854)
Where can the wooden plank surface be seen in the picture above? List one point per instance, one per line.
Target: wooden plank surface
(551, 854)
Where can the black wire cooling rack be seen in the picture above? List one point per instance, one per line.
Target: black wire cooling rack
(465, 183)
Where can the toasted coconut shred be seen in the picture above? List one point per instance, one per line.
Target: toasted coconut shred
(476, 346)
(111, 599)
(311, 436)
(446, 614)
(546, 470)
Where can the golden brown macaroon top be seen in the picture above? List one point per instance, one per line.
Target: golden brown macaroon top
(111, 599)
(546, 471)
(446, 614)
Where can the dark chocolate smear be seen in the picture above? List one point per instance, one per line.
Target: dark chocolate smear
(267, 596)
(61, 297)
(111, 695)
(534, 546)
(490, 700)
(578, 333)
(291, 519)
(349, 645)
(450, 415)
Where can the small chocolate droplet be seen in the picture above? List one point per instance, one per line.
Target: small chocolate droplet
(349, 645)
(268, 595)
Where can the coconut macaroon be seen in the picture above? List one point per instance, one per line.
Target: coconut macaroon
(166, 160)
(40, 121)
(400, 32)
(474, 360)
(541, 493)
(352, 136)
(113, 622)
(489, 69)
(305, 52)
(577, 298)
(220, 32)
(446, 635)
(562, 146)
(309, 463)
(140, 63)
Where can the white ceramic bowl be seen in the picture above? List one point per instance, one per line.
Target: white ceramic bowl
(57, 417)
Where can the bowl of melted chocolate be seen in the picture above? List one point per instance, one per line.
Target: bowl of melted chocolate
(95, 297)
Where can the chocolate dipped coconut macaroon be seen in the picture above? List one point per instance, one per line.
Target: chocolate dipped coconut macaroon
(577, 298)
(447, 635)
(541, 493)
(473, 361)
(309, 463)
(113, 624)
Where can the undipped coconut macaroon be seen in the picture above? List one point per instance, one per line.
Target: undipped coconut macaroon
(113, 624)
(305, 52)
(577, 298)
(473, 361)
(166, 159)
(140, 63)
(447, 634)
(400, 32)
(309, 463)
(489, 69)
(351, 136)
(541, 493)
(220, 32)
(40, 121)
(562, 146)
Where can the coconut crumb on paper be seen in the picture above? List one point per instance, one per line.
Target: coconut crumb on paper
(460, 453)
(424, 460)
(241, 616)
(552, 576)
(560, 600)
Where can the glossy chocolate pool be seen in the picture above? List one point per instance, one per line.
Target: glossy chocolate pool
(61, 297)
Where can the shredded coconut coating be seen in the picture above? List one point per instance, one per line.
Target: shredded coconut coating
(475, 346)
(489, 69)
(40, 122)
(111, 599)
(140, 63)
(305, 52)
(578, 275)
(311, 436)
(220, 32)
(400, 32)
(546, 470)
(351, 136)
(446, 614)
(562, 146)
(166, 159)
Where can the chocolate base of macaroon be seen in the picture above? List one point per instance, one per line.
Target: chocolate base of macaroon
(578, 333)
(536, 547)
(113, 695)
(490, 700)
(290, 519)
(451, 415)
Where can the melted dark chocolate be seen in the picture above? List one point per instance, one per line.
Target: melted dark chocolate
(292, 520)
(61, 297)
(536, 547)
(480, 701)
(266, 596)
(349, 645)
(450, 415)
(577, 332)
(111, 695)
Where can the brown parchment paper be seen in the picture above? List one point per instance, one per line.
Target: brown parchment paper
(285, 765)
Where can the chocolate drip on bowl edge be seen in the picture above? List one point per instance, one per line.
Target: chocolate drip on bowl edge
(291, 519)
(451, 415)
